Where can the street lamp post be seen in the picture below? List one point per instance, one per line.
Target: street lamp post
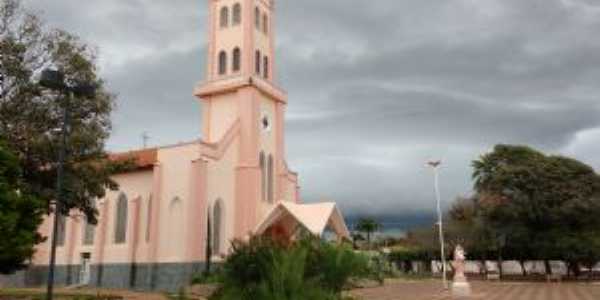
(55, 80)
(435, 165)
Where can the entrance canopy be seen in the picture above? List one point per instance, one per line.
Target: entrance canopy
(286, 217)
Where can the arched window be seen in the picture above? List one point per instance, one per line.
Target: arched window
(176, 224)
(270, 171)
(222, 63)
(61, 229)
(257, 62)
(236, 59)
(89, 231)
(257, 17)
(121, 220)
(265, 23)
(224, 17)
(237, 14)
(263, 176)
(266, 67)
(149, 219)
(217, 226)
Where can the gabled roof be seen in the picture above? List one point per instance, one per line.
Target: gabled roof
(314, 217)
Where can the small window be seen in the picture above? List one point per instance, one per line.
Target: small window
(266, 67)
(257, 17)
(222, 63)
(257, 62)
(121, 220)
(224, 17)
(237, 14)
(265, 24)
(236, 59)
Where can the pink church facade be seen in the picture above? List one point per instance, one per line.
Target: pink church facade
(152, 232)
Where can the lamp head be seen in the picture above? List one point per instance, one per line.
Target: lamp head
(52, 79)
(84, 90)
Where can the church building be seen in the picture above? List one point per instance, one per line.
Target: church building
(152, 233)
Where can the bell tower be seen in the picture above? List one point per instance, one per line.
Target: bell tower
(240, 39)
(239, 89)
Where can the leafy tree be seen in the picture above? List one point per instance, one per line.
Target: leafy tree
(536, 201)
(368, 226)
(30, 115)
(19, 216)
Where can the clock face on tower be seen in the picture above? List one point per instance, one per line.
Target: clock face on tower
(265, 122)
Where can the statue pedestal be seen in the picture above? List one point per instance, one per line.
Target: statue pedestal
(461, 288)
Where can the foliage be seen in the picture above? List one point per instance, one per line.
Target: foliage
(30, 115)
(19, 216)
(368, 226)
(308, 269)
(335, 265)
(538, 202)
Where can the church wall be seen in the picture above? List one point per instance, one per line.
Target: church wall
(175, 200)
(269, 146)
(137, 186)
(221, 184)
(222, 113)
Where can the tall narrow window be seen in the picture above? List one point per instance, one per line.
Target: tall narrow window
(257, 17)
(266, 67)
(265, 26)
(217, 226)
(270, 170)
(222, 63)
(263, 176)
(257, 63)
(237, 14)
(149, 219)
(88, 231)
(61, 229)
(236, 59)
(121, 220)
(224, 17)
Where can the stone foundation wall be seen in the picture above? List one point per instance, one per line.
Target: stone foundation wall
(168, 277)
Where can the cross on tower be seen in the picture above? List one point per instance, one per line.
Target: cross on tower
(145, 139)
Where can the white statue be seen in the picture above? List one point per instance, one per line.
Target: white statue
(460, 285)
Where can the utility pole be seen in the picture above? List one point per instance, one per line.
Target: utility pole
(435, 165)
(55, 80)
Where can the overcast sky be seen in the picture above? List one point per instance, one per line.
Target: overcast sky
(376, 88)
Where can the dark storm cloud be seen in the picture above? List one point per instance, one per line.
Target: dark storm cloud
(376, 87)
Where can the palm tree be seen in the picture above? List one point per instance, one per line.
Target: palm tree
(368, 226)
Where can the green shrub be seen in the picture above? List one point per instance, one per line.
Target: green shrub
(335, 265)
(309, 269)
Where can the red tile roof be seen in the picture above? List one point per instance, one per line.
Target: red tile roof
(143, 159)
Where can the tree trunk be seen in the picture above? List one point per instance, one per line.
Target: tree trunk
(483, 270)
(548, 267)
(500, 269)
(523, 268)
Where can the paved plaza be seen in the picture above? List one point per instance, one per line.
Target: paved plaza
(430, 290)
